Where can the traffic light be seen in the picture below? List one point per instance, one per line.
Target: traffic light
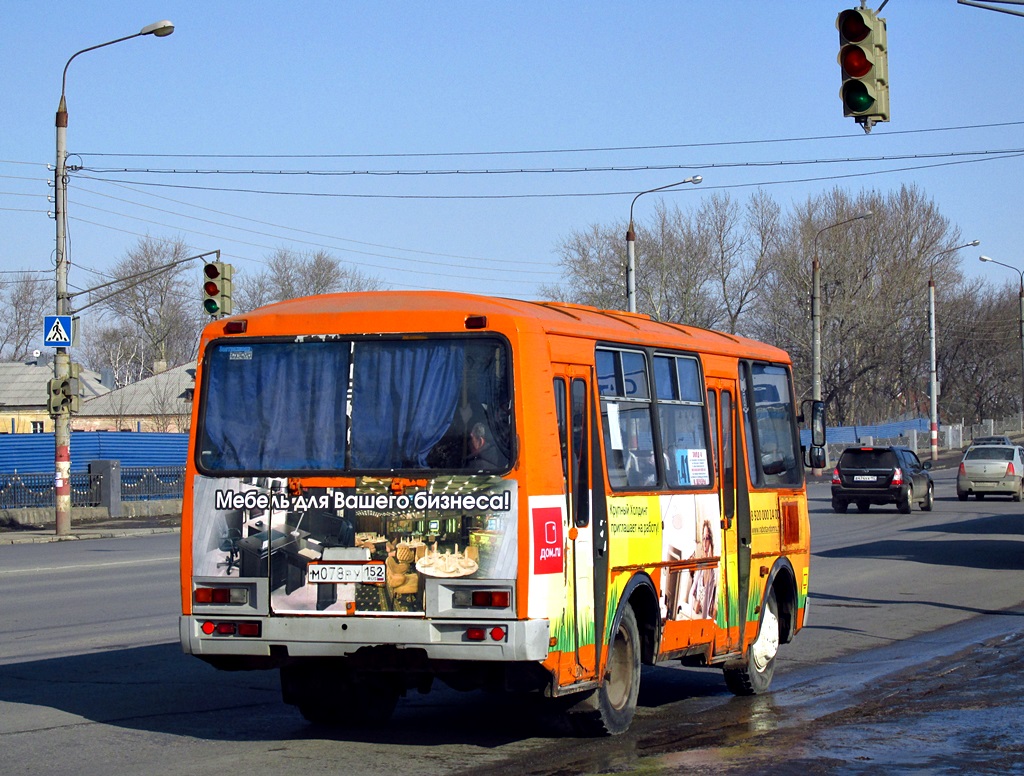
(64, 392)
(217, 288)
(863, 58)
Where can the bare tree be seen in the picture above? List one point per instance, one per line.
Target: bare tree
(290, 275)
(114, 348)
(163, 310)
(594, 268)
(26, 301)
(747, 269)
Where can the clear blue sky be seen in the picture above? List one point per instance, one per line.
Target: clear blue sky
(394, 86)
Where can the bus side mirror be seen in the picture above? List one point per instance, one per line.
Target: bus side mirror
(817, 458)
(817, 424)
(816, 455)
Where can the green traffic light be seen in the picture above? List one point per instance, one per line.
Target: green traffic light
(856, 97)
(211, 306)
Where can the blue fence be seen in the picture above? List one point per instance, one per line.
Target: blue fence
(848, 435)
(34, 452)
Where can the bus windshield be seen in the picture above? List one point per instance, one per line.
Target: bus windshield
(331, 405)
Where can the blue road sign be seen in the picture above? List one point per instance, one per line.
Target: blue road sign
(57, 331)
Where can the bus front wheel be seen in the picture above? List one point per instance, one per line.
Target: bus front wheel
(609, 710)
(755, 674)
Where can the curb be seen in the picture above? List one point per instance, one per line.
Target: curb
(43, 537)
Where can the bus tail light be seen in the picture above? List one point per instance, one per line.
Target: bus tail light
(479, 633)
(220, 595)
(492, 598)
(246, 628)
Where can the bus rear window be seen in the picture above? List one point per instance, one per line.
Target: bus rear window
(356, 406)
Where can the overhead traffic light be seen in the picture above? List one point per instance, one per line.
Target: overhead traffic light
(863, 58)
(217, 288)
(64, 392)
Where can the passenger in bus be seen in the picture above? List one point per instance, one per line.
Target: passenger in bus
(483, 455)
(640, 468)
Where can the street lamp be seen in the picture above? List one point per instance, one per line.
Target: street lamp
(816, 311)
(816, 307)
(631, 240)
(933, 383)
(62, 360)
(1020, 332)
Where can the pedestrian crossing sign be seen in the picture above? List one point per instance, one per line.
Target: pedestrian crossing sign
(57, 331)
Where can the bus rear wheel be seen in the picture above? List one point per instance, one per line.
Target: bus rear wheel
(755, 675)
(609, 710)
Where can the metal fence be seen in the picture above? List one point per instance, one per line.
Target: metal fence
(148, 483)
(138, 483)
(21, 491)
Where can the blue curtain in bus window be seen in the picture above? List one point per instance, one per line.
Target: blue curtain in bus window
(404, 396)
(276, 407)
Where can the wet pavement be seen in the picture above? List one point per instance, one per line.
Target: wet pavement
(958, 714)
(961, 712)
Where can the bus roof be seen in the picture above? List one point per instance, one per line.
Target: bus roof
(422, 311)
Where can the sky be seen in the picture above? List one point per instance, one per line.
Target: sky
(531, 121)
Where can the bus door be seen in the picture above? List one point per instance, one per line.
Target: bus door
(722, 417)
(571, 387)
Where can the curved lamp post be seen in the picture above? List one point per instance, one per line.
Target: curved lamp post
(816, 311)
(62, 360)
(631, 240)
(1020, 331)
(933, 381)
(816, 307)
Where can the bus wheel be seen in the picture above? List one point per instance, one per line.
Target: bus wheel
(755, 675)
(341, 699)
(609, 710)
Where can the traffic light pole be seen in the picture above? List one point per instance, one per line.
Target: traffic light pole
(62, 359)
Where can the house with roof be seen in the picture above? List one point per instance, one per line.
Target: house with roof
(24, 388)
(161, 403)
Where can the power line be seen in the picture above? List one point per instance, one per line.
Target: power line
(269, 247)
(596, 149)
(551, 170)
(1012, 154)
(286, 228)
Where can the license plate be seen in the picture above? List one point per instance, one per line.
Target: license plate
(335, 573)
(864, 478)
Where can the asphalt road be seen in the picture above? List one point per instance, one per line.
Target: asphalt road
(911, 617)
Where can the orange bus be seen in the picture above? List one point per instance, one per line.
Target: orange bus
(390, 488)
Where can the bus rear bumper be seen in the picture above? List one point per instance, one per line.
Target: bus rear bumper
(504, 641)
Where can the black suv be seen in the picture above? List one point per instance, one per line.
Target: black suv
(881, 475)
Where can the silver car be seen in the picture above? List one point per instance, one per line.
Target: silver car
(989, 469)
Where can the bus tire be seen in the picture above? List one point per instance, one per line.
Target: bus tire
(609, 709)
(755, 674)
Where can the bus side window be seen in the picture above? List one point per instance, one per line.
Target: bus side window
(626, 416)
(580, 455)
(563, 435)
(713, 416)
(728, 469)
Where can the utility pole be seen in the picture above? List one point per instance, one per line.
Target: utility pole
(62, 359)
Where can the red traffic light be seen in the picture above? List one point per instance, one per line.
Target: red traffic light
(855, 62)
(852, 26)
(211, 288)
(212, 271)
